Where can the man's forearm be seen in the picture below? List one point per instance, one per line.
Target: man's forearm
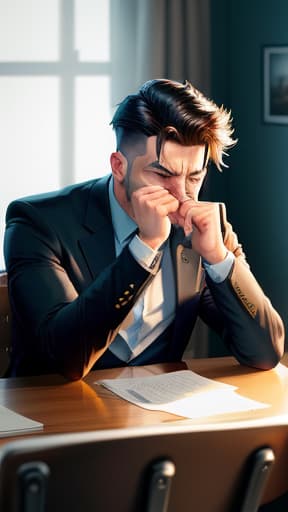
(253, 328)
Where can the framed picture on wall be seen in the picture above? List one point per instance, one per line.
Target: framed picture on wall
(275, 93)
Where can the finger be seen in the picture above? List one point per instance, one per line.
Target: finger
(201, 218)
(199, 214)
(188, 225)
(164, 206)
(196, 206)
(152, 199)
(147, 190)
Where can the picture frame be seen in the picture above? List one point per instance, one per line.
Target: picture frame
(275, 86)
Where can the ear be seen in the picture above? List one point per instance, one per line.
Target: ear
(119, 166)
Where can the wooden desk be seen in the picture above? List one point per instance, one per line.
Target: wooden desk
(83, 406)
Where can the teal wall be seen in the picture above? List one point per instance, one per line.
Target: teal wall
(255, 187)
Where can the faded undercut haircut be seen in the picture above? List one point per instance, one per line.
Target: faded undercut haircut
(174, 111)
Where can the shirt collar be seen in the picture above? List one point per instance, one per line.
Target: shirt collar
(123, 225)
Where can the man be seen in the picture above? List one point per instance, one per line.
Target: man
(115, 271)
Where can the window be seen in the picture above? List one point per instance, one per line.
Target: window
(55, 109)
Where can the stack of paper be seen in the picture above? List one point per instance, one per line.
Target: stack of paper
(12, 423)
(183, 393)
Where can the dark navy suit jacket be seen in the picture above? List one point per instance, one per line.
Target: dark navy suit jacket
(65, 283)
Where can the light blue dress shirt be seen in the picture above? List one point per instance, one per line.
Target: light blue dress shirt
(155, 308)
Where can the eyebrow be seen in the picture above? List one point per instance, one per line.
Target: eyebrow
(160, 167)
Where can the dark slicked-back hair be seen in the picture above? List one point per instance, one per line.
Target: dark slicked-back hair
(175, 111)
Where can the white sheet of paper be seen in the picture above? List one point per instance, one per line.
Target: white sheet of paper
(212, 404)
(12, 423)
(163, 388)
(184, 393)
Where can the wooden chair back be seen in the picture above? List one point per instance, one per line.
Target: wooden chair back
(157, 469)
(5, 324)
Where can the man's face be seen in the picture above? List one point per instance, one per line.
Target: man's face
(179, 169)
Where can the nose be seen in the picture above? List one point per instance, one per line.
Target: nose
(177, 188)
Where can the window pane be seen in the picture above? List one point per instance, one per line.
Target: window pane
(29, 30)
(29, 134)
(92, 30)
(94, 138)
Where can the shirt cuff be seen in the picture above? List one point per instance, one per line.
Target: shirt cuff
(146, 257)
(219, 271)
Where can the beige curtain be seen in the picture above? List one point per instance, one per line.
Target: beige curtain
(161, 39)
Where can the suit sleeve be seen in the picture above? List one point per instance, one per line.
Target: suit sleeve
(70, 330)
(240, 312)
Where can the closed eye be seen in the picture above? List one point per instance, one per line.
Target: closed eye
(159, 173)
(197, 177)
(164, 176)
(194, 179)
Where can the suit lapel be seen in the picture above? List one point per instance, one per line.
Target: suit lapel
(97, 249)
(188, 274)
(97, 246)
(187, 267)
